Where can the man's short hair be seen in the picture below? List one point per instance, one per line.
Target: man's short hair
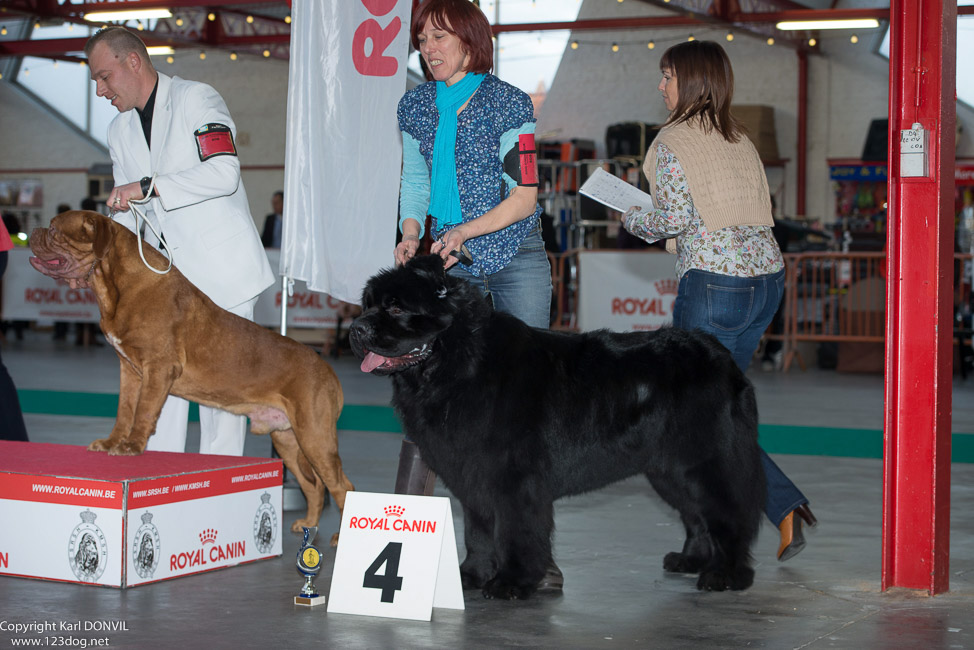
(120, 41)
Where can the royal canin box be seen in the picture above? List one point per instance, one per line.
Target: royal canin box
(119, 521)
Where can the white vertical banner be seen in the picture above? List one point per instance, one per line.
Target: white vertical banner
(343, 156)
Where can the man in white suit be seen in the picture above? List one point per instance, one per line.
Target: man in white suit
(177, 136)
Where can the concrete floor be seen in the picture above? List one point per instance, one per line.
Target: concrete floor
(609, 544)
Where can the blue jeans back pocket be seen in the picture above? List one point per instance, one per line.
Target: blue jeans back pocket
(729, 308)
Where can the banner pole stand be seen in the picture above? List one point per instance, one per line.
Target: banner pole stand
(285, 281)
(293, 498)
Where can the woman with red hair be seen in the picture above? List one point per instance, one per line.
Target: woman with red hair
(469, 164)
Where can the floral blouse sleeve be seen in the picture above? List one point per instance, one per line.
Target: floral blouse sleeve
(674, 213)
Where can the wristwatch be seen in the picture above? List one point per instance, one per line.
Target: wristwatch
(144, 184)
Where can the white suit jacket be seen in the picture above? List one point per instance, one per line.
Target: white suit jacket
(202, 208)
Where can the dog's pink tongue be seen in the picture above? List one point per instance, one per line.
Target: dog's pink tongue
(372, 361)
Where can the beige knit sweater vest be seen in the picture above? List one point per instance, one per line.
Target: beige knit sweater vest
(727, 182)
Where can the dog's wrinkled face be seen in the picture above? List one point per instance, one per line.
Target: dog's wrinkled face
(67, 250)
(404, 310)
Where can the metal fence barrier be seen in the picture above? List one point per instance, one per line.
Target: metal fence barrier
(841, 297)
(829, 296)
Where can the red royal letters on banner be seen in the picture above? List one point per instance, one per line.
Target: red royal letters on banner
(375, 63)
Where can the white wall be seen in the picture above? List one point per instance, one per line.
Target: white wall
(847, 89)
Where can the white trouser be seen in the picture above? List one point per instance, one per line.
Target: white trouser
(221, 432)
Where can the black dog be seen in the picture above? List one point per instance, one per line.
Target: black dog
(512, 418)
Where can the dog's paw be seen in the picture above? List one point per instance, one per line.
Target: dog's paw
(721, 580)
(680, 563)
(502, 590)
(126, 448)
(471, 580)
(101, 444)
(298, 525)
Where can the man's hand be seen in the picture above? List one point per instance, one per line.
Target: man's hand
(118, 199)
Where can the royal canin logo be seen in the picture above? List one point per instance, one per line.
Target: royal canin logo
(393, 520)
(203, 556)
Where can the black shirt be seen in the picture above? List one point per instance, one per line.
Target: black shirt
(145, 115)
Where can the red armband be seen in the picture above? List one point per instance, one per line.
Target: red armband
(528, 155)
(214, 140)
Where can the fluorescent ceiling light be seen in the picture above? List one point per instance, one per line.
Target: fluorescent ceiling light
(157, 50)
(852, 23)
(120, 16)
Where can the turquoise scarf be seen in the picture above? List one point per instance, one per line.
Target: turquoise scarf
(444, 192)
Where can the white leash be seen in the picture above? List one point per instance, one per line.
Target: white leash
(138, 229)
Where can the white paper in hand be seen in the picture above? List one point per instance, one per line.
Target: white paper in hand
(614, 192)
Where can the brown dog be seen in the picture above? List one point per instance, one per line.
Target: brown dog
(172, 339)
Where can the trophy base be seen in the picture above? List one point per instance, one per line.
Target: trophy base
(310, 601)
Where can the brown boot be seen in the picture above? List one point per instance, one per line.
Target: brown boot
(792, 538)
(413, 476)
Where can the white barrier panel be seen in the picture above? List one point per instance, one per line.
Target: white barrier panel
(625, 291)
(30, 295)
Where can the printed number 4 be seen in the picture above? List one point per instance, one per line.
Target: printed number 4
(390, 582)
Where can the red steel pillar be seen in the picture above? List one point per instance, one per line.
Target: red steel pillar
(919, 362)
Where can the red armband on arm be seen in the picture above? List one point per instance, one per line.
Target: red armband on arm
(214, 140)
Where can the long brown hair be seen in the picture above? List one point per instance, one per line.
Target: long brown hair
(705, 81)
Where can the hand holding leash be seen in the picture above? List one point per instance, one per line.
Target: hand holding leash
(451, 244)
(130, 195)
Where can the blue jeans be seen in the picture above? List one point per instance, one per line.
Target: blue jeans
(523, 287)
(737, 311)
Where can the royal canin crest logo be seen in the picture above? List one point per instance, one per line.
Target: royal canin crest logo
(393, 520)
(208, 536)
(667, 285)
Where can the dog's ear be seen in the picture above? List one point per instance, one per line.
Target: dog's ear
(100, 232)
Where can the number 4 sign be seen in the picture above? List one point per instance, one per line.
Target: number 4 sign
(397, 557)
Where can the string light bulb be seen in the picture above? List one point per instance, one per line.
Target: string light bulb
(202, 56)
(179, 22)
(854, 39)
(287, 19)
(730, 36)
(211, 16)
(3, 31)
(812, 42)
(169, 59)
(615, 47)
(574, 45)
(233, 56)
(250, 20)
(651, 45)
(267, 53)
(691, 37)
(771, 40)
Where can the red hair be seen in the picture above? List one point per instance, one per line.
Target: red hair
(465, 21)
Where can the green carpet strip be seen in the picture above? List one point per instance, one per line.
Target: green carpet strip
(775, 438)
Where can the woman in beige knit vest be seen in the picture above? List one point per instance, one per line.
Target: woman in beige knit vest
(713, 206)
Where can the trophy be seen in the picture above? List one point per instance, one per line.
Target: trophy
(309, 564)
